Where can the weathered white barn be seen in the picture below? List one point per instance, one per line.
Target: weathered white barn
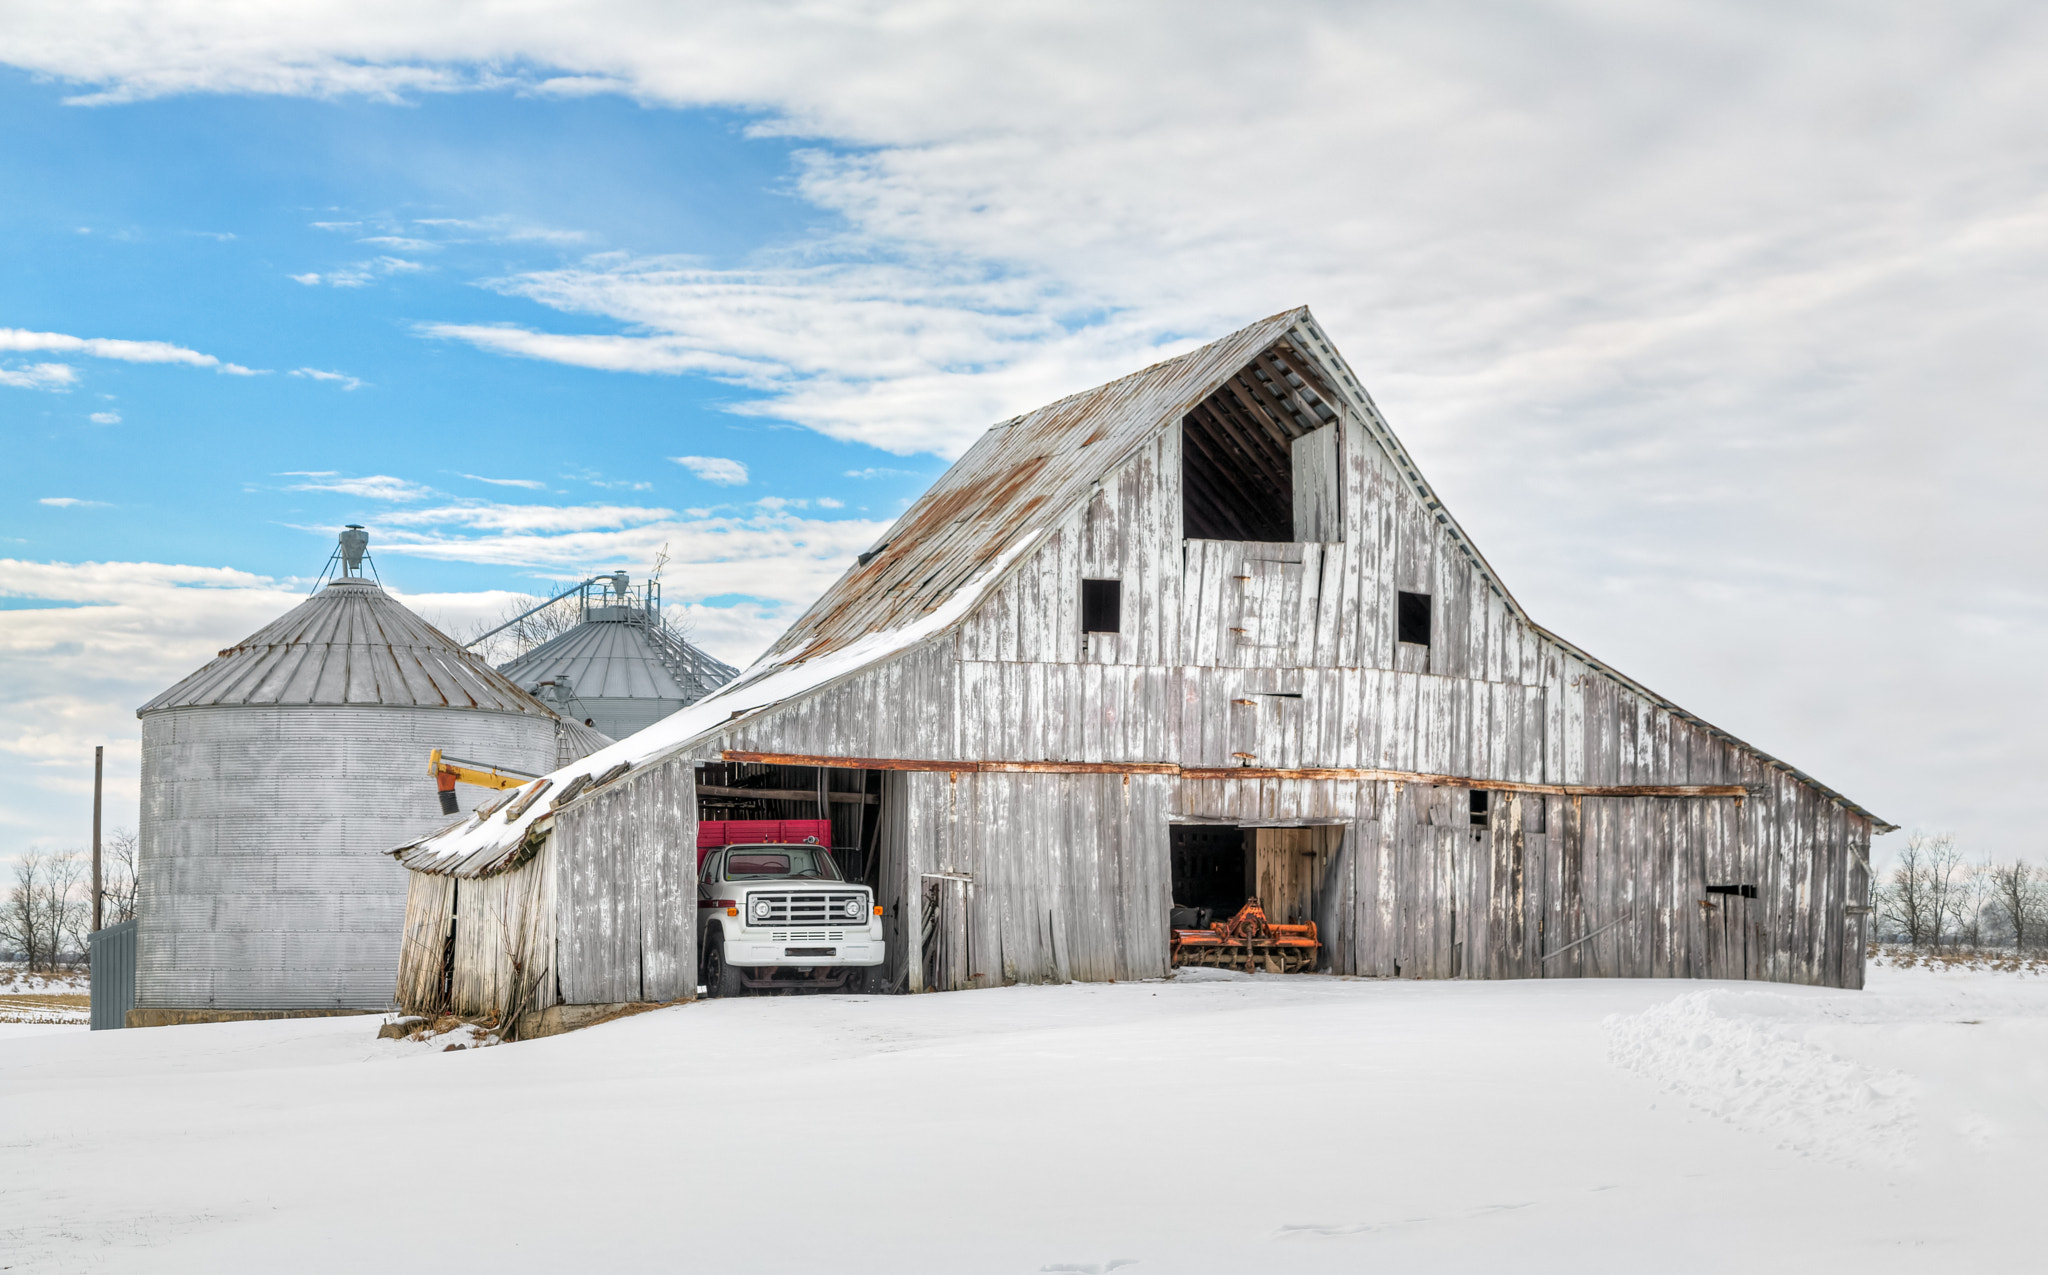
(1202, 632)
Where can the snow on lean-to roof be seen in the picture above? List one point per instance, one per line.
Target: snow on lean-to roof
(492, 836)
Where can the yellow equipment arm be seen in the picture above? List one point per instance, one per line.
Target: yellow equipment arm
(450, 771)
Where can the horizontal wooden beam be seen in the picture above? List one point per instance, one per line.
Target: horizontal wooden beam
(1234, 772)
(1466, 781)
(786, 794)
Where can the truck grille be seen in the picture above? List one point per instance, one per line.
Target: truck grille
(809, 909)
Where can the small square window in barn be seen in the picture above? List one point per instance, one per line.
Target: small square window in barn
(1414, 618)
(1102, 606)
(1480, 805)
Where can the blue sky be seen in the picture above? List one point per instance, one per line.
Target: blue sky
(1718, 326)
(194, 220)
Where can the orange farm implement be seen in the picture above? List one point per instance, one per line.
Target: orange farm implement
(1249, 942)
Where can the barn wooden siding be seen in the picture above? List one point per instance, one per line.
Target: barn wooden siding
(604, 913)
(1251, 683)
(1283, 655)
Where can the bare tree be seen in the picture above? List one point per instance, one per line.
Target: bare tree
(45, 908)
(523, 633)
(21, 923)
(67, 903)
(2019, 893)
(117, 876)
(1926, 892)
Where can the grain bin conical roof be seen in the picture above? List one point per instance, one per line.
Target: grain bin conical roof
(350, 643)
(614, 654)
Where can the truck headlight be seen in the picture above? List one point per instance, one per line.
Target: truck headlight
(851, 907)
(760, 909)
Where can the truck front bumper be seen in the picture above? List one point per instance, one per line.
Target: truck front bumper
(804, 950)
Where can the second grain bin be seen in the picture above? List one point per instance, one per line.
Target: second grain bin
(272, 781)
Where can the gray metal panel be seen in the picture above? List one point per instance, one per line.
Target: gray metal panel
(350, 643)
(263, 879)
(113, 975)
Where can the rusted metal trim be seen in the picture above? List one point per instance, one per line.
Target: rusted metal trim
(1466, 781)
(1237, 772)
(1080, 767)
(786, 794)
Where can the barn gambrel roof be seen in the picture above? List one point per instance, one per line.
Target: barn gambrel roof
(1000, 500)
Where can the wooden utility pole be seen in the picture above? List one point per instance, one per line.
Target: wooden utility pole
(99, 766)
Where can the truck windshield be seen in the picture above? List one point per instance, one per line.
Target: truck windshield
(757, 863)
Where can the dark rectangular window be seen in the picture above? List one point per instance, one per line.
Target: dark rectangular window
(1414, 618)
(1102, 605)
(1481, 806)
(1743, 891)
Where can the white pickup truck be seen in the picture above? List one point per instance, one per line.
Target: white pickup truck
(781, 917)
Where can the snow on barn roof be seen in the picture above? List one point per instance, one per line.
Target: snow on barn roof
(932, 567)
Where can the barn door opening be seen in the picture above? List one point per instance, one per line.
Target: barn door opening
(1732, 930)
(1218, 868)
(1212, 873)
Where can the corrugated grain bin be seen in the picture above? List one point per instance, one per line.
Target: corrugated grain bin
(272, 780)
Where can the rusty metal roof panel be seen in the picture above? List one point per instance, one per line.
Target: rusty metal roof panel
(350, 643)
(1020, 477)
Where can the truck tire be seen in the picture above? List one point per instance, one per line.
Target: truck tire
(856, 981)
(720, 979)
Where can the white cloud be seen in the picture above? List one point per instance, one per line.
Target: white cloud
(1663, 298)
(105, 418)
(20, 340)
(399, 243)
(346, 381)
(527, 518)
(503, 229)
(873, 471)
(374, 487)
(40, 376)
(826, 502)
(714, 469)
(532, 484)
(311, 278)
(364, 273)
(71, 502)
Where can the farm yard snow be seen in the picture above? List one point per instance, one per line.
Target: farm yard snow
(1213, 1122)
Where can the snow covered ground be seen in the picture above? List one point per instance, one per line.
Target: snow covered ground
(1211, 1123)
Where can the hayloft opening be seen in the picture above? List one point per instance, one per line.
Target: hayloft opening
(1414, 618)
(1257, 462)
(1480, 807)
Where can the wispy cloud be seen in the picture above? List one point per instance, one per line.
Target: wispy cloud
(373, 487)
(346, 381)
(531, 484)
(399, 243)
(71, 502)
(23, 341)
(714, 469)
(503, 229)
(105, 418)
(528, 518)
(876, 471)
(40, 376)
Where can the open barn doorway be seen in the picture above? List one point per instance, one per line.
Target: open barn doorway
(1219, 870)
